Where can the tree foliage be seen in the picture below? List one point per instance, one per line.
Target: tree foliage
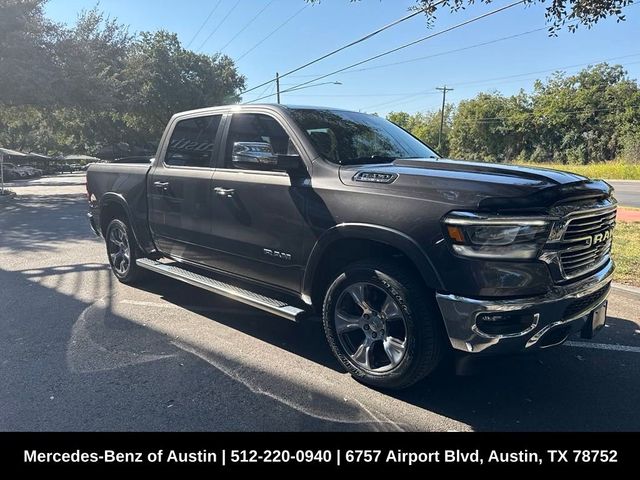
(164, 78)
(27, 53)
(426, 126)
(591, 116)
(94, 87)
(558, 13)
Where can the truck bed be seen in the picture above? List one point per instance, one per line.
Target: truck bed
(129, 180)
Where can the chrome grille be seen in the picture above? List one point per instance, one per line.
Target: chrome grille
(587, 241)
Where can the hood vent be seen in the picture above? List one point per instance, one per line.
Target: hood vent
(375, 177)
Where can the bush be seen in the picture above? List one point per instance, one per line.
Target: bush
(631, 148)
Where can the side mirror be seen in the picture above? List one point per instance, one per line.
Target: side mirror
(260, 156)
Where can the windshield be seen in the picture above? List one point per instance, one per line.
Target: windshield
(351, 138)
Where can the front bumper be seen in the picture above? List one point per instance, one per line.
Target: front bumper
(559, 313)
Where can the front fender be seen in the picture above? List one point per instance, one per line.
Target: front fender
(385, 235)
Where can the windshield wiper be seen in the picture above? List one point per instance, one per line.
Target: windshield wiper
(370, 159)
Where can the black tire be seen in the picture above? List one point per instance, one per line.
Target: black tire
(424, 339)
(131, 273)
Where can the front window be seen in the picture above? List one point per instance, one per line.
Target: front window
(260, 132)
(352, 138)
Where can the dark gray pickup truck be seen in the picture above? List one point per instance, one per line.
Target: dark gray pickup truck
(305, 211)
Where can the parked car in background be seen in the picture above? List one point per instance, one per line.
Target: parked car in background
(31, 171)
(15, 171)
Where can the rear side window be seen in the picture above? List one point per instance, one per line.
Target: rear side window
(192, 142)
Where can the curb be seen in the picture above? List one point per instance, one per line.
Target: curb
(626, 290)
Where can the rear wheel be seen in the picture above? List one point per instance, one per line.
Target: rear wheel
(383, 325)
(123, 252)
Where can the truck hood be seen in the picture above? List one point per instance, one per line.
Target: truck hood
(475, 184)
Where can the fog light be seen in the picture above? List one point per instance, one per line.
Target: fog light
(506, 323)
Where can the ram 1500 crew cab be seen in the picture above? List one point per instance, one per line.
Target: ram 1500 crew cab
(306, 212)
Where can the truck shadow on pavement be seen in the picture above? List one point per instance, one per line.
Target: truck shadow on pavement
(305, 339)
(558, 389)
(69, 364)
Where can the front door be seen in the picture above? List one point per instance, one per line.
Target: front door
(179, 189)
(259, 214)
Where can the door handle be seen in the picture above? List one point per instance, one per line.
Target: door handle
(224, 192)
(162, 185)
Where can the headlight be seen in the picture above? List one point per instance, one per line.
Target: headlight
(496, 236)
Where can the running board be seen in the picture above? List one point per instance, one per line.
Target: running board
(271, 305)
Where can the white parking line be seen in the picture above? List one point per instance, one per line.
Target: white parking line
(603, 346)
(148, 304)
(169, 306)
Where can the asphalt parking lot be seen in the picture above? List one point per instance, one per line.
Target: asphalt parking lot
(80, 351)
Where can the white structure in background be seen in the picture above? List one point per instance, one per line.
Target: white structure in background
(7, 152)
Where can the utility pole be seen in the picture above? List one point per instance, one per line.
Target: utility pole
(278, 86)
(444, 91)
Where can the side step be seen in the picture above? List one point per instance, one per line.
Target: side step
(271, 305)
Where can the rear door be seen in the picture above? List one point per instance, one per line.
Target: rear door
(179, 188)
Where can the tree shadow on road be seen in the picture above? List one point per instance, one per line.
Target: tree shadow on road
(43, 223)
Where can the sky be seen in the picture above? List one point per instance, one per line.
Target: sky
(503, 52)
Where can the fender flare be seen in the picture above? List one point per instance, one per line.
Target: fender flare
(112, 197)
(385, 235)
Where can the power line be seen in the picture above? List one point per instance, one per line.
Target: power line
(270, 35)
(547, 70)
(247, 25)
(562, 112)
(401, 47)
(356, 94)
(403, 100)
(455, 50)
(439, 54)
(349, 45)
(219, 25)
(495, 79)
(204, 23)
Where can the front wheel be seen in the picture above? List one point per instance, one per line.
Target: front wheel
(382, 324)
(122, 252)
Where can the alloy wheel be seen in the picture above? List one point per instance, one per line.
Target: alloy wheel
(119, 250)
(371, 327)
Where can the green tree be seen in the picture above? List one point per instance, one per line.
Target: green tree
(490, 127)
(584, 117)
(426, 126)
(93, 54)
(559, 13)
(92, 86)
(28, 69)
(164, 78)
